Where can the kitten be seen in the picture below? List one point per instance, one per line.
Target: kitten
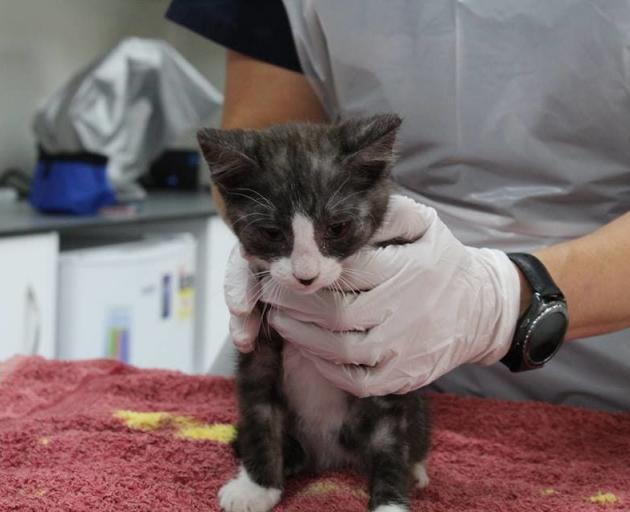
(301, 198)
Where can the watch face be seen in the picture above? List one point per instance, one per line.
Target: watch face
(547, 335)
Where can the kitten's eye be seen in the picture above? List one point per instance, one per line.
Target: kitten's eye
(271, 233)
(338, 229)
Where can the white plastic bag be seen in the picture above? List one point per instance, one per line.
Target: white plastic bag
(128, 106)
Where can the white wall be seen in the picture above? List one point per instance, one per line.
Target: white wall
(43, 42)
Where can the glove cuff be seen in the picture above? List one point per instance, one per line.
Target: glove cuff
(504, 286)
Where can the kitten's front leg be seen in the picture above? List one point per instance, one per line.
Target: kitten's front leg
(258, 486)
(377, 429)
(398, 443)
(389, 469)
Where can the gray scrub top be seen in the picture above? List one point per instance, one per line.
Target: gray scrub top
(516, 129)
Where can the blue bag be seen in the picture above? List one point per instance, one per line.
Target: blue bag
(71, 183)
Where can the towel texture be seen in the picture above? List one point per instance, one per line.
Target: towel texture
(100, 435)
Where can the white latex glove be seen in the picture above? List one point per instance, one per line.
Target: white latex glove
(242, 288)
(242, 291)
(432, 305)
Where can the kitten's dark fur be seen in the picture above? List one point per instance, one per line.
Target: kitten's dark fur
(266, 177)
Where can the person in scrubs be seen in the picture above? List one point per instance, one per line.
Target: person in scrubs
(515, 147)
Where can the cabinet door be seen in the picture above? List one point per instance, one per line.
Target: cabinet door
(28, 278)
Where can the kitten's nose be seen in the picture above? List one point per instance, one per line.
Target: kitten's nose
(305, 282)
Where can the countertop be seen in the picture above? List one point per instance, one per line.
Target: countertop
(19, 218)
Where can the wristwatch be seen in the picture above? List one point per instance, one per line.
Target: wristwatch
(541, 329)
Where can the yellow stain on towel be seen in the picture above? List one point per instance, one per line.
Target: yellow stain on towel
(44, 441)
(604, 498)
(219, 432)
(142, 420)
(329, 487)
(32, 491)
(185, 426)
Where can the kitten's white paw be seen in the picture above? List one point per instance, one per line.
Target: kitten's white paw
(244, 495)
(419, 471)
(391, 508)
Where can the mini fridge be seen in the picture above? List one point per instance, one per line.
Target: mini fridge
(28, 276)
(132, 301)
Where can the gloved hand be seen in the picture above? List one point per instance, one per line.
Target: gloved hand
(431, 306)
(242, 289)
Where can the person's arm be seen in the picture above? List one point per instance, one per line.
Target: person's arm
(258, 94)
(592, 271)
(594, 274)
(435, 304)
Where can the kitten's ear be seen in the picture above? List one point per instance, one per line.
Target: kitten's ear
(225, 152)
(369, 144)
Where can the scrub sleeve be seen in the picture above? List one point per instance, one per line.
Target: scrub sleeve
(258, 29)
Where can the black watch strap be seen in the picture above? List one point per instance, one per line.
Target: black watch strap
(541, 330)
(536, 274)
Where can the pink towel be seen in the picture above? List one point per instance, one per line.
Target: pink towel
(100, 435)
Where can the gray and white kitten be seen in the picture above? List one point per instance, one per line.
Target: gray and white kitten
(301, 198)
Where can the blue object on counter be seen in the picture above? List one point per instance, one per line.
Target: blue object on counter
(74, 183)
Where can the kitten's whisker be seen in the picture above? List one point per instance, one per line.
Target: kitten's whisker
(354, 270)
(373, 219)
(253, 199)
(248, 220)
(328, 207)
(257, 297)
(357, 271)
(279, 293)
(259, 292)
(338, 300)
(353, 290)
(352, 210)
(254, 214)
(360, 277)
(347, 285)
(266, 325)
(249, 224)
(274, 298)
(243, 191)
(265, 199)
(346, 197)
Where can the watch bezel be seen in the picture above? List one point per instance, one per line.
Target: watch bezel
(540, 309)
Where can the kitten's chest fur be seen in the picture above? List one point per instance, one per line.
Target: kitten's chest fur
(319, 408)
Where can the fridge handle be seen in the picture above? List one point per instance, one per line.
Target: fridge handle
(32, 323)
